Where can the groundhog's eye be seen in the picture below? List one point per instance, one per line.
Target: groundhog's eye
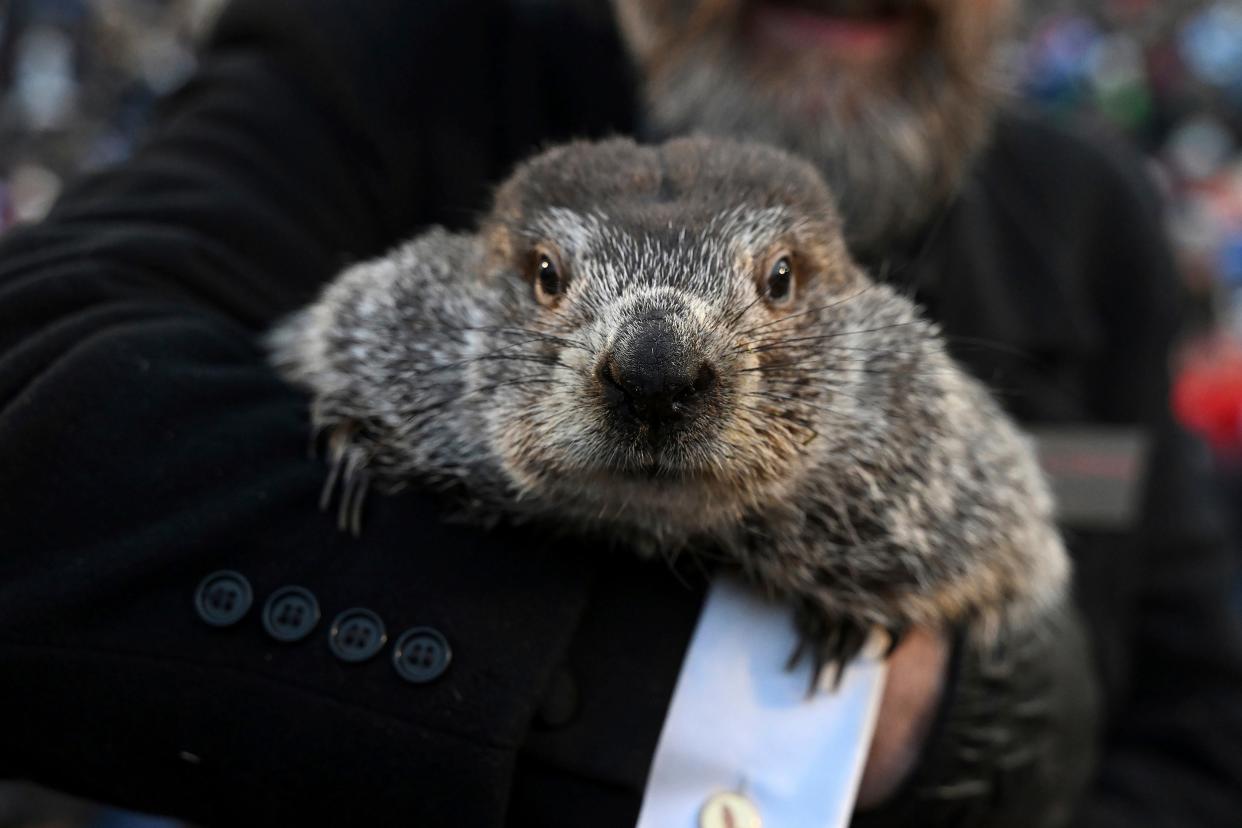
(779, 285)
(548, 279)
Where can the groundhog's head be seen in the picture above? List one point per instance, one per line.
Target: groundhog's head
(689, 309)
(666, 339)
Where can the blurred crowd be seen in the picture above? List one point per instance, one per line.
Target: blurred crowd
(78, 80)
(1168, 75)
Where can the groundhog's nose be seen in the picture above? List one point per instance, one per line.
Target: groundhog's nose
(652, 376)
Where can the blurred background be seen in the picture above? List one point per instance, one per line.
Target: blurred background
(79, 78)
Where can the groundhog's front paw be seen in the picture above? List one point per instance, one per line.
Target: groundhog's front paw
(347, 462)
(832, 639)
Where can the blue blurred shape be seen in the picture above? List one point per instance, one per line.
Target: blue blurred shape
(1058, 59)
(1230, 260)
(1211, 44)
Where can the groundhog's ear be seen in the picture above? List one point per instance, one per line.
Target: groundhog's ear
(824, 249)
(498, 248)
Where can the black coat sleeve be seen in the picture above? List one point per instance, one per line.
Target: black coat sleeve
(1167, 637)
(144, 444)
(1163, 638)
(1059, 258)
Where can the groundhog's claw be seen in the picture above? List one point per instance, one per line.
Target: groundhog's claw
(831, 640)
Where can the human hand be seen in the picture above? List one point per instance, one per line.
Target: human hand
(912, 692)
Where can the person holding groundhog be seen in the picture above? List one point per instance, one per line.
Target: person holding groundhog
(182, 631)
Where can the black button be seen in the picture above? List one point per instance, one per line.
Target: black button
(421, 655)
(560, 703)
(356, 635)
(223, 597)
(290, 614)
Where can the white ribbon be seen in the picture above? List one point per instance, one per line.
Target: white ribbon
(739, 721)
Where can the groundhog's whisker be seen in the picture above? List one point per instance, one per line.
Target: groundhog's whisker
(804, 341)
(775, 323)
(733, 319)
(806, 379)
(438, 404)
(551, 362)
(806, 312)
(570, 323)
(453, 365)
(930, 351)
(508, 331)
(989, 344)
(821, 337)
(772, 395)
(992, 345)
(794, 363)
(768, 413)
(813, 402)
(803, 382)
(905, 371)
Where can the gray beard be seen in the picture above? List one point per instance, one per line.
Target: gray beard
(892, 162)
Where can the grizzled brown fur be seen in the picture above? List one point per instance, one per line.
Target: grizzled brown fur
(820, 441)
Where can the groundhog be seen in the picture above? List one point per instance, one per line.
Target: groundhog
(670, 346)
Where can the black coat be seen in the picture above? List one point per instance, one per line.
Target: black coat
(144, 444)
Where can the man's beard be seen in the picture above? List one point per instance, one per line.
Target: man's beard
(893, 146)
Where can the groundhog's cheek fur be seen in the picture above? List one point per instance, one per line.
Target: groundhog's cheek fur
(545, 437)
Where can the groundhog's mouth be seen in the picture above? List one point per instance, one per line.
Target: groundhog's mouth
(653, 497)
(642, 462)
(656, 472)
